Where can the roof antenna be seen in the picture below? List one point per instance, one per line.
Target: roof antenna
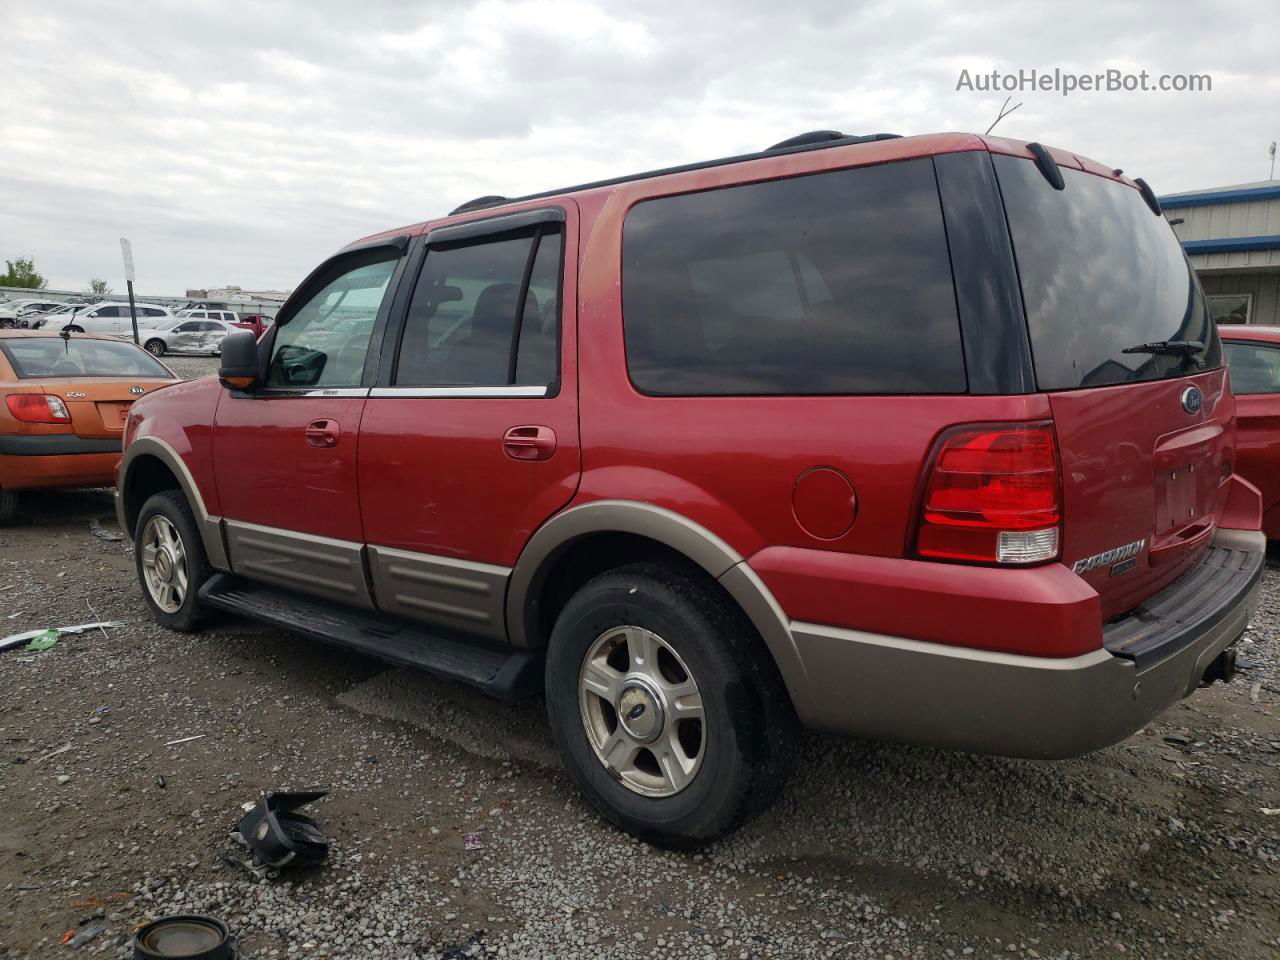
(1003, 113)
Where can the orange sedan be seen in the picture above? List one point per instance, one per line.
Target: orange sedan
(63, 404)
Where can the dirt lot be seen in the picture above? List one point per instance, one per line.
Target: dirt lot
(1158, 847)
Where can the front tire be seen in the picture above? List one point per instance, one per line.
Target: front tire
(155, 347)
(668, 711)
(171, 562)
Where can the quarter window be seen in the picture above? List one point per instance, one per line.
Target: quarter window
(1255, 367)
(833, 283)
(485, 314)
(324, 342)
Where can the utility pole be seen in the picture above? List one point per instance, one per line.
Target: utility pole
(127, 252)
(1272, 151)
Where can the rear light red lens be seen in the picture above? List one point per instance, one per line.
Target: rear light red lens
(993, 494)
(37, 408)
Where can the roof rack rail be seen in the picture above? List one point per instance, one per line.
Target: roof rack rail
(804, 139)
(479, 203)
(817, 140)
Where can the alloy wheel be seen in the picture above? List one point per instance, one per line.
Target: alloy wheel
(642, 711)
(164, 564)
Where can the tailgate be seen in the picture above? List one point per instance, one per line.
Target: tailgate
(1144, 475)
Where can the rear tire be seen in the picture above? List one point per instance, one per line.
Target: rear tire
(155, 347)
(8, 506)
(170, 560)
(658, 672)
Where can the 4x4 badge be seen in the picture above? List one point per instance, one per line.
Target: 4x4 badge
(137, 389)
(1192, 400)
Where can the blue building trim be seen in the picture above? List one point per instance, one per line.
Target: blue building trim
(1233, 244)
(1205, 199)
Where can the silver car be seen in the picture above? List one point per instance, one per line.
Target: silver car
(185, 336)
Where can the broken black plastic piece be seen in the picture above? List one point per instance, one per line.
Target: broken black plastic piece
(1148, 195)
(1048, 166)
(279, 836)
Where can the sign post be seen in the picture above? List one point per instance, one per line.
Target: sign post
(127, 252)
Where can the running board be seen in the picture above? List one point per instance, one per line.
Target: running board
(505, 674)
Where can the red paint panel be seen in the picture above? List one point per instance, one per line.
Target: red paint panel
(267, 472)
(182, 416)
(1045, 611)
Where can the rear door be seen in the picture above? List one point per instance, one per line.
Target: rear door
(1255, 380)
(285, 454)
(470, 439)
(1124, 345)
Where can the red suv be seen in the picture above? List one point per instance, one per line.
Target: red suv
(925, 439)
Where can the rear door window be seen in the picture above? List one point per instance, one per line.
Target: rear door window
(1255, 367)
(832, 283)
(467, 324)
(1102, 278)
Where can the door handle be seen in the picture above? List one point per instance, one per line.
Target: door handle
(323, 433)
(529, 443)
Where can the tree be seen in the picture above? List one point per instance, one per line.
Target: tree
(22, 273)
(98, 287)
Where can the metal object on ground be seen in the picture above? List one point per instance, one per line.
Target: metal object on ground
(187, 936)
(279, 836)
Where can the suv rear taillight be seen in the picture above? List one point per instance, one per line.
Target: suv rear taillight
(37, 408)
(992, 494)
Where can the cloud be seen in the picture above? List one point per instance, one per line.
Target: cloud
(242, 143)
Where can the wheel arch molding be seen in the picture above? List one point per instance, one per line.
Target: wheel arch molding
(149, 453)
(672, 532)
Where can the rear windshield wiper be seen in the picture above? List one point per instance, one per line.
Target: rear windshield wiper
(1187, 349)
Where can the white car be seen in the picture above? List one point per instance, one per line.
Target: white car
(226, 316)
(11, 313)
(185, 335)
(113, 317)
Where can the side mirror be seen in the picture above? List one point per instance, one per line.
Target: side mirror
(239, 368)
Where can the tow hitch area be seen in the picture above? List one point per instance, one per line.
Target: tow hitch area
(1222, 668)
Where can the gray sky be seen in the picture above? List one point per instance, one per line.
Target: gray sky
(242, 143)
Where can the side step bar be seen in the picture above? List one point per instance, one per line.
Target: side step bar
(505, 674)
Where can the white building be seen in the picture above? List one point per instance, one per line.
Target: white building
(1232, 236)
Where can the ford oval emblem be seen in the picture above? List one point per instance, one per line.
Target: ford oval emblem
(1184, 396)
(1192, 400)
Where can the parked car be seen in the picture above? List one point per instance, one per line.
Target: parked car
(179, 335)
(1253, 353)
(257, 322)
(226, 316)
(13, 312)
(114, 318)
(59, 316)
(708, 452)
(65, 401)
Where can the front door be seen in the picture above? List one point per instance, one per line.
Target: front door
(285, 455)
(470, 438)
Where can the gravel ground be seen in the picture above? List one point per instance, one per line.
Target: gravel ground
(1157, 847)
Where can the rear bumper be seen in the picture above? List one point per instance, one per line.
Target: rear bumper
(1040, 707)
(92, 467)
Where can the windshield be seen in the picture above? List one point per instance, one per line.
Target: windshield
(56, 357)
(1109, 294)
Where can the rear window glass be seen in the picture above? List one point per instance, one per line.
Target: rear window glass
(1255, 367)
(55, 357)
(1102, 279)
(833, 283)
